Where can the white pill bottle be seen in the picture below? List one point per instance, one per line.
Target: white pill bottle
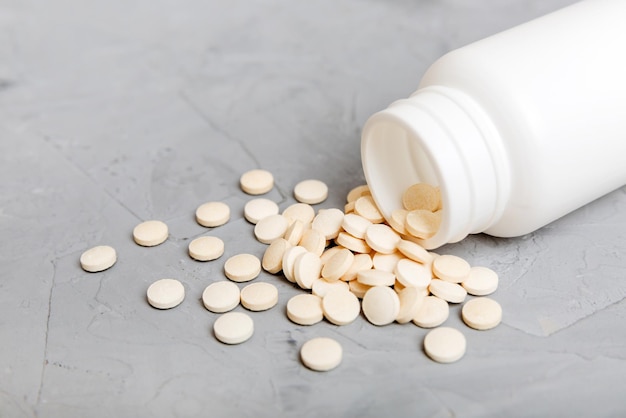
(517, 129)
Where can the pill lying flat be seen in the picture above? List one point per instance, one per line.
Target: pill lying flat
(212, 214)
(98, 258)
(242, 267)
(305, 309)
(165, 293)
(257, 209)
(321, 354)
(256, 182)
(340, 306)
(481, 313)
(433, 312)
(221, 296)
(311, 191)
(259, 296)
(206, 248)
(481, 281)
(451, 268)
(233, 327)
(445, 344)
(150, 233)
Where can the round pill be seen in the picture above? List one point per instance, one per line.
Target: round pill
(294, 232)
(374, 277)
(273, 257)
(451, 268)
(301, 211)
(340, 306)
(381, 305)
(444, 344)
(256, 182)
(413, 274)
(361, 262)
(382, 238)
(414, 251)
(206, 248)
(289, 261)
(422, 224)
(98, 258)
(321, 354)
(432, 313)
(353, 244)
(166, 293)
(150, 233)
(233, 327)
(481, 281)
(328, 222)
(337, 265)
(366, 207)
(311, 191)
(355, 225)
(212, 214)
(314, 241)
(386, 262)
(306, 269)
(305, 309)
(242, 267)
(358, 191)
(481, 313)
(270, 228)
(220, 297)
(321, 287)
(397, 221)
(259, 296)
(358, 289)
(448, 291)
(411, 300)
(257, 209)
(421, 196)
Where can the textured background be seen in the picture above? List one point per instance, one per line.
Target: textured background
(116, 111)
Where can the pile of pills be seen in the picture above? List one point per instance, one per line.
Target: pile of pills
(346, 262)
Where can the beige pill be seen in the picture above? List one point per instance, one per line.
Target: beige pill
(305, 309)
(358, 289)
(422, 224)
(398, 220)
(242, 267)
(445, 344)
(353, 244)
(220, 297)
(233, 327)
(386, 262)
(374, 277)
(300, 211)
(414, 251)
(381, 305)
(361, 262)
(259, 296)
(357, 192)
(307, 268)
(355, 225)
(150, 233)
(421, 196)
(382, 238)
(481, 281)
(212, 214)
(451, 268)
(256, 182)
(165, 293)
(366, 207)
(328, 253)
(328, 222)
(206, 248)
(337, 265)
(321, 287)
(448, 291)
(432, 312)
(413, 274)
(321, 354)
(481, 313)
(98, 258)
(294, 232)
(273, 257)
(340, 306)
(411, 300)
(314, 241)
(348, 208)
(311, 192)
(289, 261)
(257, 209)
(270, 228)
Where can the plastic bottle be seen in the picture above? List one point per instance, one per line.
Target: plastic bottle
(517, 129)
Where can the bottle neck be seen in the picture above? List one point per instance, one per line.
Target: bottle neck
(442, 137)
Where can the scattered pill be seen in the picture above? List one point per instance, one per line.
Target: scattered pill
(340, 306)
(353, 244)
(289, 261)
(355, 225)
(259, 296)
(273, 257)
(321, 287)
(451, 268)
(221, 296)
(414, 251)
(411, 300)
(321, 354)
(386, 262)
(444, 344)
(311, 191)
(305, 309)
(306, 269)
(233, 327)
(328, 222)
(301, 211)
(314, 241)
(366, 207)
(481, 313)
(242, 267)
(212, 214)
(294, 232)
(374, 277)
(422, 223)
(166, 293)
(413, 274)
(361, 262)
(359, 289)
(432, 312)
(448, 291)
(337, 265)
(98, 258)
(398, 220)
(421, 196)
(259, 208)
(271, 228)
(381, 305)
(382, 238)
(481, 281)
(206, 248)
(256, 182)
(357, 192)
(150, 233)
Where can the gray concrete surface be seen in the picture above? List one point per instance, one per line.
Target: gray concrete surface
(113, 112)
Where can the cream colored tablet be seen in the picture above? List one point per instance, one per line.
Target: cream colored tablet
(328, 222)
(414, 251)
(413, 274)
(422, 224)
(481, 313)
(357, 192)
(432, 313)
(321, 354)
(98, 258)
(306, 269)
(381, 305)
(337, 265)
(300, 211)
(259, 296)
(398, 220)
(451, 268)
(289, 261)
(311, 192)
(233, 327)
(374, 277)
(448, 291)
(294, 232)
(242, 267)
(321, 287)
(361, 262)
(348, 208)
(166, 293)
(411, 300)
(366, 207)
(355, 225)
(257, 209)
(150, 233)
(213, 214)
(270, 228)
(340, 306)
(353, 244)
(305, 309)
(206, 248)
(444, 344)
(358, 289)
(382, 238)
(256, 182)
(421, 196)
(273, 257)
(386, 262)
(481, 281)
(329, 252)
(314, 241)
(220, 297)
